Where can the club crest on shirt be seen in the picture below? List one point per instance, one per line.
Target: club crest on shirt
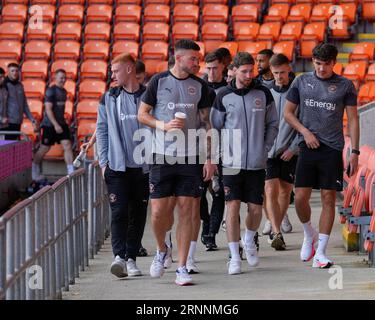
(332, 88)
(257, 102)
(192, 90)
(170, 105)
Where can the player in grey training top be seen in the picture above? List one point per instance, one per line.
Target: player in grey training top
(173, 172)
(322, 97)
(263, 62)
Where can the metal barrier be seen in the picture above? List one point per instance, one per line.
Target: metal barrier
(45, 239)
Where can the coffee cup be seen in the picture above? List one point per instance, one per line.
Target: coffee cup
(180, 116)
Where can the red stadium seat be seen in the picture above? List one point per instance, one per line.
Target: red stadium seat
(246, 30)
(125, 46)
(286, 48)
(313, 33)
(70, 87)
(212, 45)
(269, 32)
(94, 69)
(232, 46)
(363, 51)
(366, 93)
(27, 128)
(126, 31)
(68, 31)
(5, 62)
(368, 11)
(14, 12)
(87, 109)
(37, 50)
(11, 31)
(321, 13)
(85, 129)
(215, 31)
(244, 13)
(277, 13)
(99, 13)
(202, 51)
(34, 89)
(156, 13)
(70, 67)
(356, 72)
(36, 108)
(291, 31)
(185, 30)
(97, 31)
(370, 76)
(300, 13)
(46, 11)
(10, 50)
(251, 47)
(338, 68)
(70, 13)
(44, 33)
(96, 50)
(134, 2)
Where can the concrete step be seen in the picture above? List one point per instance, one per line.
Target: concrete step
(347, 47)
(366, 37)
(343, 57)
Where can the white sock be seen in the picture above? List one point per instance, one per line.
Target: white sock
(192, 249)
(35, 168)
(234, 248)
(70, 168)
(249, 237)
(322, 245)
(308, 229)
(168, 240)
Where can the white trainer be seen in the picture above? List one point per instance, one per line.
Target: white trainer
(267, 227)
(322, 262)
(308, 247)
(191, 266)
(286, 226)
(157, 265)
(183, 278)
(133, 270)
(118, 267)
(168, 259)
(251, 253)
(234, 266)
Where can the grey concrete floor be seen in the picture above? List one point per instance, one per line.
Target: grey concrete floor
(280, 275)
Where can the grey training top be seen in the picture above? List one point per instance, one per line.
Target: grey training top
(57, 96)
(168, 95)
(322, 103)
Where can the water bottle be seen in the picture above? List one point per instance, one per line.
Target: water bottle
(215, 183)
(78, 161)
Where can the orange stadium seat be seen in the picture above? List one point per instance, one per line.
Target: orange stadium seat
(277, 13)
(246, 30)
(70, 67)
(70, 87)
(366, 93)
(56, 152)
(71, 13)
(126, 31)
(68, 31)
(134, 2)
(97, 31)
(128, 13)
(338, 68)
(215, 31)
(87, 109)
(85, 129)
(125, 46)
(25, 2)
(91, 89)
(368, 11)
(215, 13)
(38, 50)
(286, 48)
(99, 13)
(313, 33)
(269, 32)
(10, 50)
(256, 3)
(321, 13)
(27, 128)
(156, 13)
(94, 69)
(36, 69)
(14, 12)
(152, 66)
(96, 50)
(370, 76)
(348, 10)
(251, 47)
(202, 51)
(46, 11)
(67, 50)
(155, 31)
(186, 1)
(185, 30)
(300, 12)
(157, 50)
(36, 108)
(244, 13)
(51, 2)
(109, 2)
(212, 45)
(291, 31)
(356, 72)
(215, 1)
(45, 33)
(363, 51)
(5, 62)
(162, 66)
(147, 2)
(11, 31)
(186, 13)
(34, 88)
(232, 46)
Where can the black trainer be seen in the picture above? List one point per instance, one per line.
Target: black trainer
(205, 232)
(142, 252)
(211, 243)
(277, 241)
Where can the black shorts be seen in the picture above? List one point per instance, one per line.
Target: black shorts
(247, 186)
(178, 180)
(280, 169)
(50, 137)
(320, 168)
